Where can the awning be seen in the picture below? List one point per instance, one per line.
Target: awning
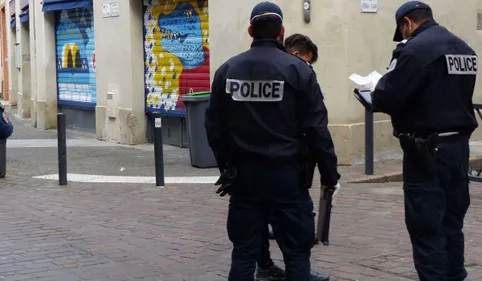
(24, 16)
(13, 22)
(57, 5)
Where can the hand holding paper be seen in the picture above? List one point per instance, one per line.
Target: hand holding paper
(368, 82)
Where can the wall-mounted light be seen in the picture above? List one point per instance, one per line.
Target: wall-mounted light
(306, 10)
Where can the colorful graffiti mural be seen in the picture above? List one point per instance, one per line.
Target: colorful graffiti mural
(76, 56)
(176, 46)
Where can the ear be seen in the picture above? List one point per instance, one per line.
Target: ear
(296, 53)
(282, 33)
(250, 31)
(406, 21)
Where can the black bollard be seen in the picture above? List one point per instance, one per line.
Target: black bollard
(3, 158)
(369, 143)
(158, 150)
(62, 148)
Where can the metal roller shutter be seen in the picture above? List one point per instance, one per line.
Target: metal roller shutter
(76, 57)
(176, 44)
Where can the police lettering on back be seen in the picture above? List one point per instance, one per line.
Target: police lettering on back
(462, 64)
(255, 91)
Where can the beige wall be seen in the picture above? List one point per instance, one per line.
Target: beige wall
(348, 41)
(43, 67)
(120, 73)
(12, 69)
(23, 38)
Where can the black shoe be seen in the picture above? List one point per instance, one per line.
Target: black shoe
(315, 276)
(274, 273)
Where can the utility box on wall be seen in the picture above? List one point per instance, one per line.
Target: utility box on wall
(112, 104)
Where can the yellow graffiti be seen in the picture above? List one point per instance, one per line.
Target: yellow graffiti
(169, 67)
(72, 49)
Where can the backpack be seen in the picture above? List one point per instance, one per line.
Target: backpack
(6, 126)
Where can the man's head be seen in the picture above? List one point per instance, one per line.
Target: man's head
(302, 47)
(266, 22)
(409, 17)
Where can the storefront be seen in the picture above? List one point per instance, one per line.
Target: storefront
(176, 46)
(75, 57)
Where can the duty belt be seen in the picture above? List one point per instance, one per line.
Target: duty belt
(436, 139)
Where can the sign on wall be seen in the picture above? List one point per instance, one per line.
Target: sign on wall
(111, 9)
(369, 6)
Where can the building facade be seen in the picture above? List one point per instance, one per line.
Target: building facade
(110, 64)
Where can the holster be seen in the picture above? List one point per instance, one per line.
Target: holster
(423, 149)
(307, 172)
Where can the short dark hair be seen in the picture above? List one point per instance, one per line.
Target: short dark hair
(418, 15)
(266, 28)
(302, 44)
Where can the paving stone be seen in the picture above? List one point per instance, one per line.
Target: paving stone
(112, 233)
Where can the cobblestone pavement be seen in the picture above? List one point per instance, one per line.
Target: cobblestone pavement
(137, 232)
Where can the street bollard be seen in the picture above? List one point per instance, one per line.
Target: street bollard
(3, 158)
(369, 143)
(158, 150)
(62, 148)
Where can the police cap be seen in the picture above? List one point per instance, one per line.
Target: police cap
(266, 10)
(404, 10)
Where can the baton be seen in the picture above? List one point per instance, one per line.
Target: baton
(324, 216)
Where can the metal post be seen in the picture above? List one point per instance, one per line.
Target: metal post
(62, 148)
(3, 158)
(369, 166)
(158, 150)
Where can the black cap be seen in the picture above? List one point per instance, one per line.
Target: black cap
(404, 10)
(266, 10)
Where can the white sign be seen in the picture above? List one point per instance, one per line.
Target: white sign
(111, 9)
(105, 10)
(114, 8)
(157, 123)
(369, 6)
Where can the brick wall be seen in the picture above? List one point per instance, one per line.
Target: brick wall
(4, 57)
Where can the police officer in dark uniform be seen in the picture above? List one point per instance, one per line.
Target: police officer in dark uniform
(301, 46)
(266, 109)
(428, 94)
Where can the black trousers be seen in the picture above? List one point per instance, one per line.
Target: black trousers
(261, 190)
(436, 191)
(264, 259)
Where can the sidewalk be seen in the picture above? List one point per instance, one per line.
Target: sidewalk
(33, 153)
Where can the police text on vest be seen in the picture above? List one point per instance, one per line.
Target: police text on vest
(262, 91)
(462, 64)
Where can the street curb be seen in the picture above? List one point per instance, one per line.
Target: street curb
(475, 162)
(388, 177)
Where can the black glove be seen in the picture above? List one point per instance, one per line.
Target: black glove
(226, 180)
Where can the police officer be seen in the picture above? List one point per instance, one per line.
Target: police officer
(266, 107)
(428, 94)
(301, 46)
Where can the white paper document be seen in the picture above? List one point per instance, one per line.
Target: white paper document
(366, 82)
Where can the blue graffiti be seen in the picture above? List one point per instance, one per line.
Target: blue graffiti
(182, 35)
(75, 49)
